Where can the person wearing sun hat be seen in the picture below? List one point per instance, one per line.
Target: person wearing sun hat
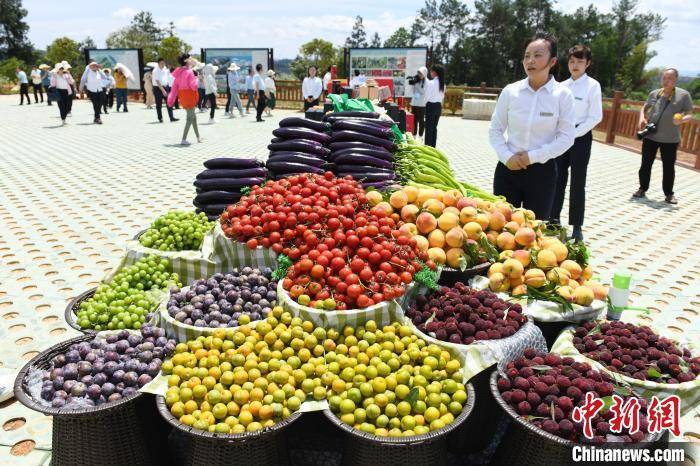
(74, 88)
(210, 89)
(233, 79)
(270, 92)
(92, 81)
(109, 82)
(62, 82)
(46, 82)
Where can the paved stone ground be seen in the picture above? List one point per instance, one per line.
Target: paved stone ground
(70, 197)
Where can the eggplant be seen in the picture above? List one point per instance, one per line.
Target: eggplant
(212, 209)
(232, 173)
(304, 123)
(297, 157)
(380, 154)
(337, 146)
(361, 159)
(300, 145)
(377, 122)
(227, 184)
(352, 113)
(297, 132)
(281, 166)
(274, 140)
(370, 175)
(362, 169)
(229, 162)
(374, 130)
(379, 184)
(280, 176)
(362, 137)
(217, 196)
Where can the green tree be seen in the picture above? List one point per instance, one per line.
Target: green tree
(318, 52)
(400, 38)
(491, 47)
(8, 68)
(142, 33)
(64, 48)
(376, 40)
(13, 32)
(358, 36)
(631, 75)
(171, 48)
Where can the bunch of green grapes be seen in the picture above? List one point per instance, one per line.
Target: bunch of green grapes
(177, 231)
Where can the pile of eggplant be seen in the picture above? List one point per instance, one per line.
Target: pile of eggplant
(362, 146)
(220, 184)
(299, 146)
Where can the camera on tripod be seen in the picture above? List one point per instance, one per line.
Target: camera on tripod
(650, 128)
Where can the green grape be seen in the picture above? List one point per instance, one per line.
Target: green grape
(176, 231)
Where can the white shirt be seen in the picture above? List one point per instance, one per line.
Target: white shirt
(36, 76)
(270, 84)
(540, 122)
(94, 81)
(259, 82)
(326, 79)
(311, 87)
(588, 101)
(61, 81)
(160, 74)
(432, 91)
(358, 80)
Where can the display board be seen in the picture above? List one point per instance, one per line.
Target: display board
(244, 58)
(398, 63)
(131, 58)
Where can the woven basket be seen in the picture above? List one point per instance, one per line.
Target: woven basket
(431, 448)
(264, 447)
(110, 434)
(450, 276)
(524, 444)
(74, 306)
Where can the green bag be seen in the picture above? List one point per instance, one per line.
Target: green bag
(341, 103)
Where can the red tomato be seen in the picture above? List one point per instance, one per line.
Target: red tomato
(366, 274)
(318, 271)
(354, 291)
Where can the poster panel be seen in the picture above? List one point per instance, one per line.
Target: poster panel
(397, 63)
(131, 58)
(244, 58)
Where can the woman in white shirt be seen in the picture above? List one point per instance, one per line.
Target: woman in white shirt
(311, 88)
(62, 82)
(270, 90)
(418, 100)
(434, 95)
(589, 112)
(538, 115)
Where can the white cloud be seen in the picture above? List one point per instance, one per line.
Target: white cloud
(195, 24)
(124, 13)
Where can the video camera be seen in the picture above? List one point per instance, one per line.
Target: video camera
(414, 79)
(650, 128)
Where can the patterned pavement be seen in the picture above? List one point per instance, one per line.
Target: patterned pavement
(70, 196)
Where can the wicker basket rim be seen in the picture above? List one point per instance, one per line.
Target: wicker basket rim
(73, 304)
(42, 359)
(415, 439)
(247, 436)
(651, 437)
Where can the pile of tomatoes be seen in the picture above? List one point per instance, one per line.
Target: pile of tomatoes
(347, 255)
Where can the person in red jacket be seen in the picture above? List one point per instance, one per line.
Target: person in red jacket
(184, 89)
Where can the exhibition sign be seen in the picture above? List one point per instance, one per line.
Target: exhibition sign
(131, 58)
(397, 63)
(244, 58)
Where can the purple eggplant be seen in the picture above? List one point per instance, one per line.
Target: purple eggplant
(379, 184)
(361, 159)
(361, 169)
(377, 122)
(213, 209)
(281, 166)
(217, 196)
(374, 130)
(232, 173)
(380, 154)
(301, 145)
(304, 123)
(369, 176)
(338, 146)
(351, 114)
(228, 162)
(227, 184)
(298, 157)
(274, 140)
(362, 137)
(296, 132)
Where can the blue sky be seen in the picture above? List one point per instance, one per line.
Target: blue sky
(286, 25)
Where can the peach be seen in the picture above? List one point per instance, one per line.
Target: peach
(518, 290)
(525, 236)
(437, 255)
(535, 278)
(484, 205)
(523, 256)
(455, 258)
(559, 276)
(512, 268)
(505, 209)
(573, 268)
(423, 195)
(436, 238)
(384, 206)
(409, 228)
(496, 267)
(491, 236)
(573, 284)
(505, 255)
(546, 259)
(505, 241)
(466, 202)
(496, 221)
(452, 210)
(473, 230)
(560, 250)
(483, 220)
(374, 198)
(398, 199)
(511, 227)
(447, 221)
(455, 237)
(517, 281)
(411, 193)
(451, 197)
(587, 272)
(498, 282)
(434, 206)
(409, 213)
(583, 296)
(518, 216)
(566, 292)
(467, 214)
(421, 243)
(599, 291)
(426, 222)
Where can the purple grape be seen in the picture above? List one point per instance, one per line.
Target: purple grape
(144, 379)
(108, 388)
(94, 391)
